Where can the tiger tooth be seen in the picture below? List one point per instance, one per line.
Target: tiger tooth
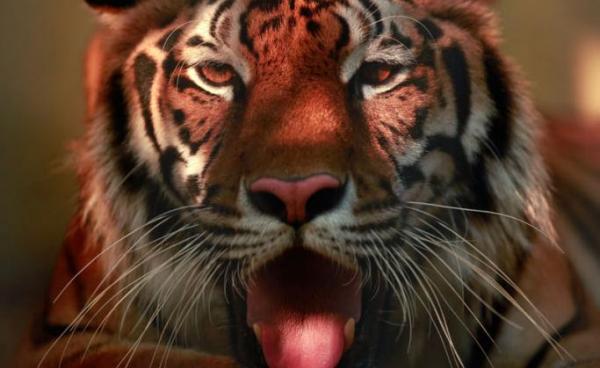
(349, 332)
(257, 331)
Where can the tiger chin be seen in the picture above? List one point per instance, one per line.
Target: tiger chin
(308, 184)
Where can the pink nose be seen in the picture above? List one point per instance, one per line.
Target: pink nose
(296, 194)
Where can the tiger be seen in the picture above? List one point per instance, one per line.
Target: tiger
(312, 184)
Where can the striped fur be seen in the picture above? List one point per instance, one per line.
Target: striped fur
(445, 212)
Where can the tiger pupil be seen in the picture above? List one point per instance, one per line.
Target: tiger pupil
(383, 74)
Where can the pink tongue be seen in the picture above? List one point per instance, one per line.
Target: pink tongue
(314, 342)
(301, 303)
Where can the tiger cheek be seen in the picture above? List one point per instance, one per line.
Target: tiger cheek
(193, 108)
(196, 121)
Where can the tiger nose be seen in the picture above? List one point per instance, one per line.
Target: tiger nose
(296, 201)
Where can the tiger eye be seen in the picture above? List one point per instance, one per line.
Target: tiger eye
(376, 73)
(217, 74)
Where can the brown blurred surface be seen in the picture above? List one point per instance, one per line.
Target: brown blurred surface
(41, 108)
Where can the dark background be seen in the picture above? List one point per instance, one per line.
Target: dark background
(41, 108)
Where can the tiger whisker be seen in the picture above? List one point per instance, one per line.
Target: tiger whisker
(214, 269)
(548, 336)
(129, 291)
(86, 308)
(491, 264)
(141, 282)
(143, 260)
(469, 264)
(209, 270)
(459, 296)
(193, 266)
(493, 213)
(398, 289)
(179, 27)
(434, 314)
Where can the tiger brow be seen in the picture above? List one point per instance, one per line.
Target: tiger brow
(389, 50)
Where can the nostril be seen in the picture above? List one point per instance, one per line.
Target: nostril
(323, 201)
(268, 204)
(296, 201)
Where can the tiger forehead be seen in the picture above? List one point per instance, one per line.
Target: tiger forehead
(294, 29)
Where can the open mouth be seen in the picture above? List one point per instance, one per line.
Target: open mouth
(304, 310)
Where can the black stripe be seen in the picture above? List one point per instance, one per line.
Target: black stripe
(376, 13)
(399, 37)
(215, 21)
(223, 230)
(417, 131)
(134, 175)
(393, 129)
(265, 5)
(212, 192)
(377, 206)
(197, 41)
(169, 65)
(193, 185)
(271, 25)
(244, 37)
(386, 147)
(428, 29)
(118, 113)
(179, 117)
(170, 40)
(145, 72)
(427, 56)
(168, 159)
(196, 145)
(411, 175)
(313, 27)
(473, 175)
(366, 228)
(458, 70)
(230, 212)
(306, 12)
(344, 38)
(262, 5)
(538, 358)
(157, 204)
(480, 188)
(211, 157)
(498, 82)
(120, 4)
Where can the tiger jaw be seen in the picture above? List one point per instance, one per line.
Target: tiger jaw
(309, 290)
(307, 295)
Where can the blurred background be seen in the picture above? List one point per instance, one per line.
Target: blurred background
(557, 43)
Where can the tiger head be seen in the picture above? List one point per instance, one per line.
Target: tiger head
(299, 181)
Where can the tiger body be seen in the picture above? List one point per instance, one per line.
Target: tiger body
(429, 241)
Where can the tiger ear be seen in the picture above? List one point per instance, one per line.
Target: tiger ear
(111, 6)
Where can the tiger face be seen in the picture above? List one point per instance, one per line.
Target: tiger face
(313, 178)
